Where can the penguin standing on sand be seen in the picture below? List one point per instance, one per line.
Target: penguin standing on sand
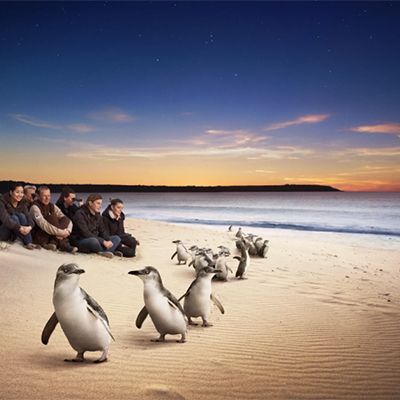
(221, 265)
(199, 295)
(244, 259)
(264, 249)
(181, 252)
(83, 321)
(164, 309)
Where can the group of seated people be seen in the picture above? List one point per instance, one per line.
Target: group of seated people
(29, 214)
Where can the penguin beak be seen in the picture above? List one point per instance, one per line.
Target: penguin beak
(216, 271)
(137, 272)
(79, 271)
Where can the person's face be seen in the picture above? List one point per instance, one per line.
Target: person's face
(117, 209)
(17, 194)
(29, 194)
(70, 199)
(45, 196)
(95, 206)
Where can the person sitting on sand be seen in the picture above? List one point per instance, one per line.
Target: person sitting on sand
(89, 233)
(52, 227)
(113, 218)
(29, 195)
(15, 220)
(67, 202)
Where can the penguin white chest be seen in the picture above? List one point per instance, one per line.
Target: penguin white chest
(83, 330)
(166, 318)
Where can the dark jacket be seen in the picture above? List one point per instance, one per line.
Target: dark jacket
(68, 211)
(87, 225)
(114, 226)
(7, 209)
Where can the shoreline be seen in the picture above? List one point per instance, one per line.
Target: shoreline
(318, 318)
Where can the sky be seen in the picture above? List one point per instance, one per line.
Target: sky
(201, 93)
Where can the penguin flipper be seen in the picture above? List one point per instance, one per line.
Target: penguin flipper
(49, 328)
(217, 303)
(141, 317)
(188, 291)
(95, 308)
(173, 302)
(173, 255)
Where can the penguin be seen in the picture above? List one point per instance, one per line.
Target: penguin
(82, 319)
(199, 295)
(259, 244)
(244, 259)
(264, 249)
(182, 253)
(252, 246)
(239, 233)
(164, 309)
(221, 265)
(201, 260)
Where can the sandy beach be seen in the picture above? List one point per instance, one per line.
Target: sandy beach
(318, 319)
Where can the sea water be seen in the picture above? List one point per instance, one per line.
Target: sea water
(347, 212)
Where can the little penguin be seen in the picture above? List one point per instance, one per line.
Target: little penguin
(82, 319)
(181, 252)
(221, 265)
(199, 295)
(244, 259)
(164, 309)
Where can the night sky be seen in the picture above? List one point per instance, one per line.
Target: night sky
(205, 93)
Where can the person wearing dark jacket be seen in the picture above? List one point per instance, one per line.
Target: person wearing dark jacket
(89, 234)
(113, 219)
(66, 202)
(15, 220)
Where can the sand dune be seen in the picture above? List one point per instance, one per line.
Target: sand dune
(318, 319)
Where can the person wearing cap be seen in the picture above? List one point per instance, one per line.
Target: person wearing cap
(29, 195)
(89, 234)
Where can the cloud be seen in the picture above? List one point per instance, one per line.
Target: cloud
(112, 115)
(390, 128)
(38, 123)
(263, 171)
(80, 128)
(32, 121)
(230, 138)
(249, 152)
(376, 152)
(305, 119)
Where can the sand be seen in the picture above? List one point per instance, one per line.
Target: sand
(318, 319)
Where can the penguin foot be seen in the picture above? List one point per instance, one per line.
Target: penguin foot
(100, 360)
(79, 358)
(206, 324)
(160, 339)
(103, 358)
(182, 339)
(192, 323)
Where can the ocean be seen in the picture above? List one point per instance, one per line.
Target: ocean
(345, 212)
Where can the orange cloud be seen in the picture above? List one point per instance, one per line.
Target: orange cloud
(390, 128)
(305, 119)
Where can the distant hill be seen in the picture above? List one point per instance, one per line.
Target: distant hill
(88, 188)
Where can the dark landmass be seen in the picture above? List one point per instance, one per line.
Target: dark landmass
(88, 188)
